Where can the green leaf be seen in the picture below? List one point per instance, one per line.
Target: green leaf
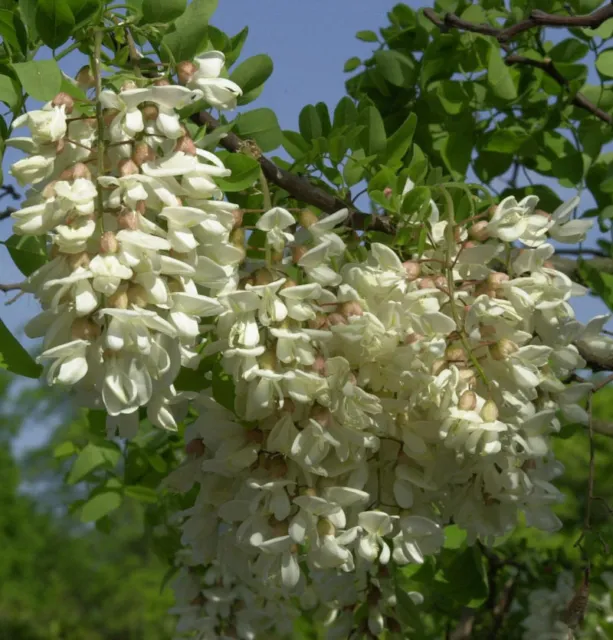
(454, 537)
(54, 22)
(142, 494)
(7, 30)
(464, 580)
(262, 126)
(353, 170)
(489, 164)
(83, 10)
(499, 76)
(352, 64)
(245, 171)
(223, 387)
(409, 613)
(417, 202)
(162, 10)
(10, 92)
(400, 141)
(295, 144)
(599, 282)
(373, 137)
(41, 79)
(100, 505)
(367, 36)
(569, 50)
(345, 113)
(236, 42)
(28, 252)
(397, 68)
(604, 63)
(64, 450)
(253, 72)
(505, 140)
(457, 151)
(91, 458)
(189, 35)
(27, 9)
(14, 357)
(309, 123)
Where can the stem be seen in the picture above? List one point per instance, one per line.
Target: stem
(265, 191)
(450, 287)
(99, 119)
(67, 50)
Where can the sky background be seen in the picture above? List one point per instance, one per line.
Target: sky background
(308, 43)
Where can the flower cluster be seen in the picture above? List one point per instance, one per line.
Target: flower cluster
(136, 224)
(375, 396)
(375, 401)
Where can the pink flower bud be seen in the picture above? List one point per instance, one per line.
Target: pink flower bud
(63, 99)
(185, 71)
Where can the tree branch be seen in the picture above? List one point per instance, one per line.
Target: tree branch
(11, 287)
(536, 20)
(299, 187)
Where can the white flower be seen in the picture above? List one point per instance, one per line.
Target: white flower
(566, 230)
(510, 219)
(47, 124)
(273, 222)
(69, 362)
(218, 92)
(32, 170)
(375, 525)
(129, 119)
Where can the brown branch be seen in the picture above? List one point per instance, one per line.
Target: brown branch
(7, 213)
(570, 267)
(464, 628)
(548, 67)
(536, 20)
(299, 187)
(503, 606)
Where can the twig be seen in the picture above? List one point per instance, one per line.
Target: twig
(502, 606)
(587, 520)
(11, 287)
(299, 187)
(602, 383)
(7, 213)
(464, 628)
(536, 20)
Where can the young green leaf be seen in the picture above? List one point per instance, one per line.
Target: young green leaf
(54, 22)
(162, 10)
(41, 79)
(367, 36)
(28, 252)
(400, 141)
(189, 35)
(14, 357)
(309, 123)
(262, 126)
(499, 76)
(245, 171)
(372, 137)
(100, 505)
(253, 72)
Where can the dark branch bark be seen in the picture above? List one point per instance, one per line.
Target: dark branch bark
(300, 188)
(534, 21)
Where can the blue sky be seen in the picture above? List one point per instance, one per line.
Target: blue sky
(309, 43)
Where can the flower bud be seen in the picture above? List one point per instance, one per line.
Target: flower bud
(141, 207)
(268, 360)
(321, 415)
(185, 71)
(320, 321)
(278, 528)
(67, 174)
(319, 366)
(350, 308)
(186, 145)
(336, 318)
(491, 211)
(502, 349)
(468, 401)
(496, 279)
(288, 284)
(455, 354)
(325, 527)
(142, 153)
(109, 243)
(118, 300)
(150, 112)
(85, 78)
(81, 170)
(84, 329)
(108, 115)
(63, 99)
(307, 218)
(137, 295)
(76, 260)
(128, 220)
(277, 467)
(426, 283)
(468, 377)
(298, 252)
(49, 190)
(540, 212)
(127, 167)
(489, 411)
(484, 289)
(128, 85)
(440, 282)
(413, 269)
(237, 214)
(412, 338)
(438, 365)
(387, 192)
(60, 145)
(309, 491)
(263, 277)
(479, 231)
(162, 82)
(237, 238)
(469, 244)
(195, 448)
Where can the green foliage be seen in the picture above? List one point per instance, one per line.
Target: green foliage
(41, 79)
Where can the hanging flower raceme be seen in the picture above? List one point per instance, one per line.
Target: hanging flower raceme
(372, 396)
